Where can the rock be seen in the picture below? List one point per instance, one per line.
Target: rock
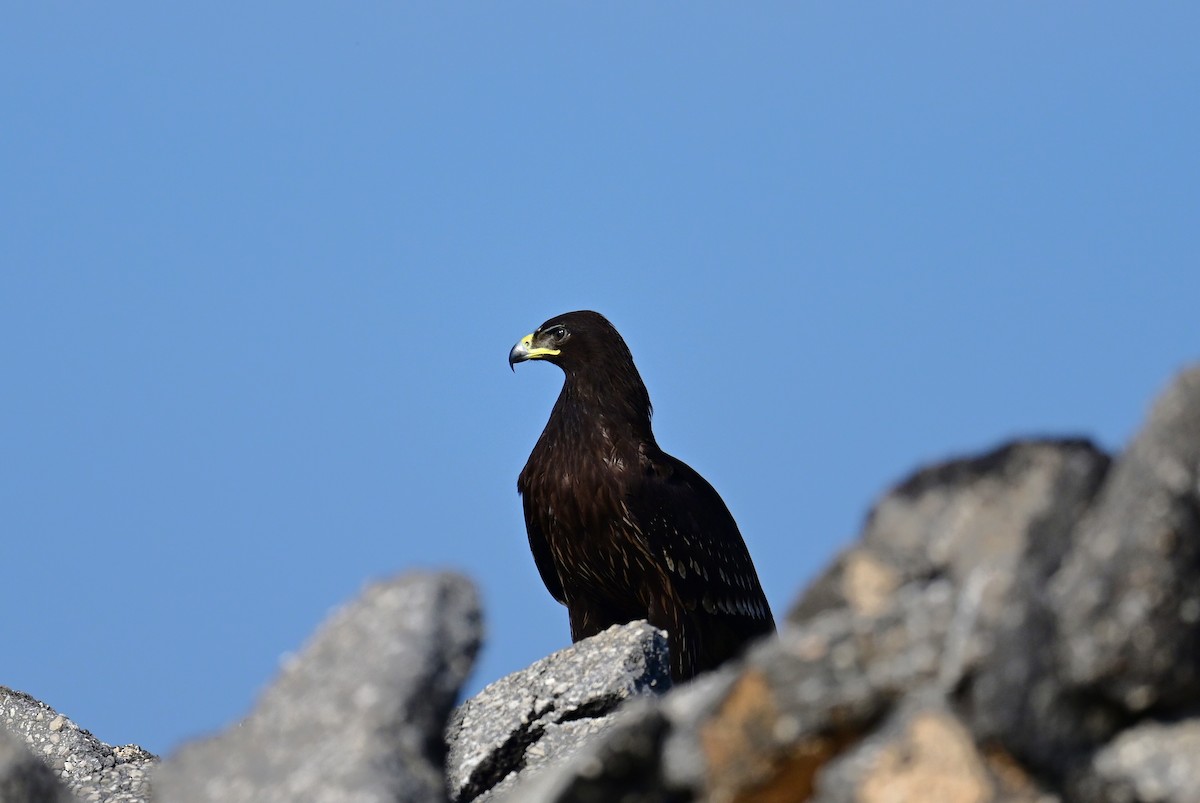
(1016, 699)
(967, 520)
(997, 527)
(937, 604)
(768, 722)
(687, 709)
(1017, 627)
(1154, 762)
(1026, 509)
(622, 766)
(25, 779)
(802, 699)
(923, 752)
(651, 751)
(357, 716)
(520, 724)
(89, 768)
(1127, 597)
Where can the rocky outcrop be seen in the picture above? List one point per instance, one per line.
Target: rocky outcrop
(358, 715)
(1017, 626)
(1152, 761)
(1129, 590)
(76, 763)
(1021, 626)
(516, 726)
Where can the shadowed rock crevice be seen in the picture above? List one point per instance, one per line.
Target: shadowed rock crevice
(506, 759)
(593, 709)
(624, 764)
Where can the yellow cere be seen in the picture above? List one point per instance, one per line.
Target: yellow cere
(533, 353)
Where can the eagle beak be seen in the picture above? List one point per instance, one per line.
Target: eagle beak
(520, 352)
(525, 350)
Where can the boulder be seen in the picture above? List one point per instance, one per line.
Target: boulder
(972, 521)
(358, 715)
(82, 764)
(996, 527)
(1127, 598)
(539, 716)
(1153, 762)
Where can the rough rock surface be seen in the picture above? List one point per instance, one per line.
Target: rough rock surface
(520, 723)
(622, 766)
(1129, 589)
(996, 527)
(84, 765)
(25, 779)
(1154, 761)
(972, 521)
(357, 716)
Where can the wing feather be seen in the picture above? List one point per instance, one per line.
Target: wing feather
(543, 558)
(686, 524)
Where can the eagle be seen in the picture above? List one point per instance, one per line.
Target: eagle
(619, 529)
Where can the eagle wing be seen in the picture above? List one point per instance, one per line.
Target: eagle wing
(540, 548)
(689, 529)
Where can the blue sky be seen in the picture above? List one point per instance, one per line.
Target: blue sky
(260, 270)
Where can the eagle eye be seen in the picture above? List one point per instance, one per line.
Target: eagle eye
(559, 333)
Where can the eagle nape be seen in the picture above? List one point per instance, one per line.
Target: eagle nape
(619, 529)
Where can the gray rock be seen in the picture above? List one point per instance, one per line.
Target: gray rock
(687, 708)
(25, 779)
(1150, 763)
(89, 768)
(652, 750)
(1016, 698)
(1128, 595)
(358, 716)
(623, 766)
(524, 722)
(997, 527)
(959, 517)
(1012, 694)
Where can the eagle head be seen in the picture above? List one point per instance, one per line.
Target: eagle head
(572, 341)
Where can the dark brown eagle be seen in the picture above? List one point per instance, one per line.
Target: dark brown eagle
(619, 529)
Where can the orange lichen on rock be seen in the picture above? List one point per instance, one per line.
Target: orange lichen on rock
(756, 754)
